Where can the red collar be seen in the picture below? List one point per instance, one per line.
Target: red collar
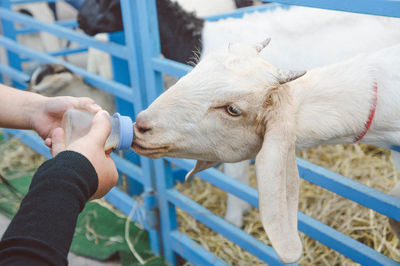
(371, 115)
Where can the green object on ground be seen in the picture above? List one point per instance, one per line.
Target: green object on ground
(100, 232)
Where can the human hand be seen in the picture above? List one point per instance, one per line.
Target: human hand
(50, 110)
(92, 147)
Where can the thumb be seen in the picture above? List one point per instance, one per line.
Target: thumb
(57, 141)
(101, 128)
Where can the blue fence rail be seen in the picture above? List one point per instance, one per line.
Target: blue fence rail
(137, 67)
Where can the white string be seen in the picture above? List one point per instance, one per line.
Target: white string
(128, 241)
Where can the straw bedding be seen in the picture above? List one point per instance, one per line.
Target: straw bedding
(17, 158)
(367, 164)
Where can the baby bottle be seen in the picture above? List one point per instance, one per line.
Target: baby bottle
(77, 123)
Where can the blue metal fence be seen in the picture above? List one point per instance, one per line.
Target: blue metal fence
(137, 68)
(125, 86)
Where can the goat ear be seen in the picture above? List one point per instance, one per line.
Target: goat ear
(278, 180)
(200, 166)
(285, 76)
(259, 47)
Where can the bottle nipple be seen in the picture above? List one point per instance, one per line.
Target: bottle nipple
(125, 132)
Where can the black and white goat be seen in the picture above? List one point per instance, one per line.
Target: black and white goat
(57, 80)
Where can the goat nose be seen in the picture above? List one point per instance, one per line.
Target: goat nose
(142, 124)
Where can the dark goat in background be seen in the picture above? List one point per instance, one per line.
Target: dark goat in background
(243, 3)
(180, 31)
(98, 16)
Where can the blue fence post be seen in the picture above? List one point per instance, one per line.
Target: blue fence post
(155, 86)
(147, 36)
(9, 31)
(132, 26)
(168, 216)
(120, 74)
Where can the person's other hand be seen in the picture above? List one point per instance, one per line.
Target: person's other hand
(92, 147)
(50, 110)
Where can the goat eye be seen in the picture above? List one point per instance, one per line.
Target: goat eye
(233, 110)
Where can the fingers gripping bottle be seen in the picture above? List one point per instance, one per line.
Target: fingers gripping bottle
(77, 123)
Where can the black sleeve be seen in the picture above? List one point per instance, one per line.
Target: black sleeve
(42, 230)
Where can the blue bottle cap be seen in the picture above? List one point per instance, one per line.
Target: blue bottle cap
(125, 132)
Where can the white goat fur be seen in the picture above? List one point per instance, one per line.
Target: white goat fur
(204, 8)
(331, 34)
(328, 105)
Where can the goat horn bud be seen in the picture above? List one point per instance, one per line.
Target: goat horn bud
(285, 76)
(259, 47)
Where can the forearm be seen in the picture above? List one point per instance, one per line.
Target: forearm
(43, 228)
(17, 107)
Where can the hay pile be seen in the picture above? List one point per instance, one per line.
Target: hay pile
(16, 161)
(366, 164)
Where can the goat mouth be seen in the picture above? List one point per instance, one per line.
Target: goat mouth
(152, 152)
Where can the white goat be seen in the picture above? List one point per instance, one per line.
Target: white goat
(329, 36)
(318, 30)
(235, 105)
(57, 80)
